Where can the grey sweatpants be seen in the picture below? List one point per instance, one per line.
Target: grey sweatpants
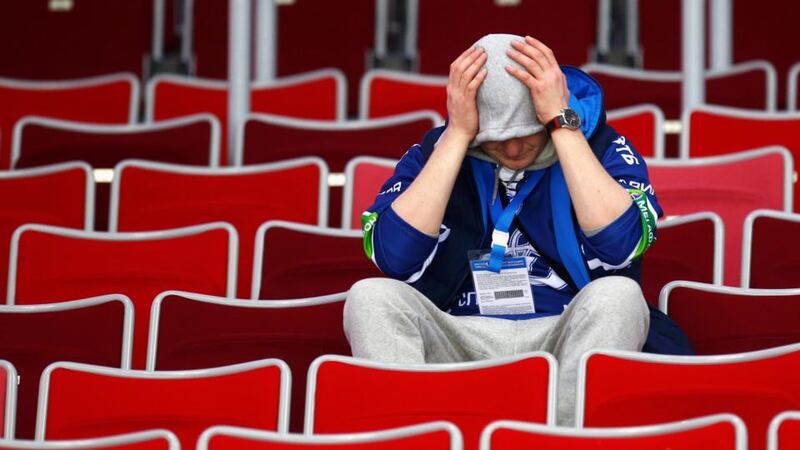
(388, 320)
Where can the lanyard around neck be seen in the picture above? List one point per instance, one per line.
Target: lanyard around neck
(502, 218)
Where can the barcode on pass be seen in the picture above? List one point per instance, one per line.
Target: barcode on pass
(508, 294)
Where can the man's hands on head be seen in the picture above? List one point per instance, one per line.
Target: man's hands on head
(466, 75)
(542, 76)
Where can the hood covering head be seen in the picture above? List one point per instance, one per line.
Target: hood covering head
(505, 108)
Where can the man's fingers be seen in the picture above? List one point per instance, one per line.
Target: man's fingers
(537, 44)
(455, 73)
(533, 53)
(473, 68)
(529, 64)
(476, 82)
(522, 75)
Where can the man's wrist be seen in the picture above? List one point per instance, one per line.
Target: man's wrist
(457, 138)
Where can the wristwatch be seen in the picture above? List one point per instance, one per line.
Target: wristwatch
(567, 118)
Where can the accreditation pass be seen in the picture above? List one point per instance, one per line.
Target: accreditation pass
(506, 292)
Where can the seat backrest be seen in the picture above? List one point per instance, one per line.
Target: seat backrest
(766, 263)
(60, 195)
(41, 41)
(305, 24)
(433, 436)
(294, 260)
(49, 264)
(350, 395)
(317, 95)
(81, 400)
(269, 138)
(151, 196)
(628, 87)
(688, 247)
(364, 177)
(192, 140)
(96, 330)
(435, 20)
(142, 440)
(722, 319)
(731, 186)
(792, 94)
(784, 431)
(385, 93)
(8, 399)
(643, 125)
(226, 331)
(707, 131)
(664, 388)
(717, 432)
(107, 99)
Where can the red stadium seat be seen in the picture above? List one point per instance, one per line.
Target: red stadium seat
(385, 93)
(107, 99)
(766, 263)
(8, 399)
(717, 432)
(49, 264)
(42, 42)
(731, 186)
(318, 95)
(82, 400)
(268, 138)
(226, 331)
(443, 35)
(643, 125)
(707, 132)
(364, 177)
(722, 319)
(664, 388)
(627, 87)
(430, 436)
(143, 440)
(301, 24)
(192, 140)
(784, 431)
(793, 97)
(96, 330)
(60, 195)
(688, 248)
(152, 196)
(350, 395)
(294, 260)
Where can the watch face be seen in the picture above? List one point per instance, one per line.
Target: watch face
(571, 119)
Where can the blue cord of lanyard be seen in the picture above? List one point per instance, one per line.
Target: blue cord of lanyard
(502, 218)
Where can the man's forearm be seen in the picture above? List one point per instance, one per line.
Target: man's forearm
(596, 197)
(423, 204)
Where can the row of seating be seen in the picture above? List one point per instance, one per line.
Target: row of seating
(178, 330)
(716, 432)
(310, 25)
(346, 395)
(317, 98)
(147, 196)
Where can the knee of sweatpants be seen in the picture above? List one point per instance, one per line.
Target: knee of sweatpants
(372, 297)
(616, 298)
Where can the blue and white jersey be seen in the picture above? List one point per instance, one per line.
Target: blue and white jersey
(438, 265)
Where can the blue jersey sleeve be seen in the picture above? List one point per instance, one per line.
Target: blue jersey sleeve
(398, 249)
(629, 236)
